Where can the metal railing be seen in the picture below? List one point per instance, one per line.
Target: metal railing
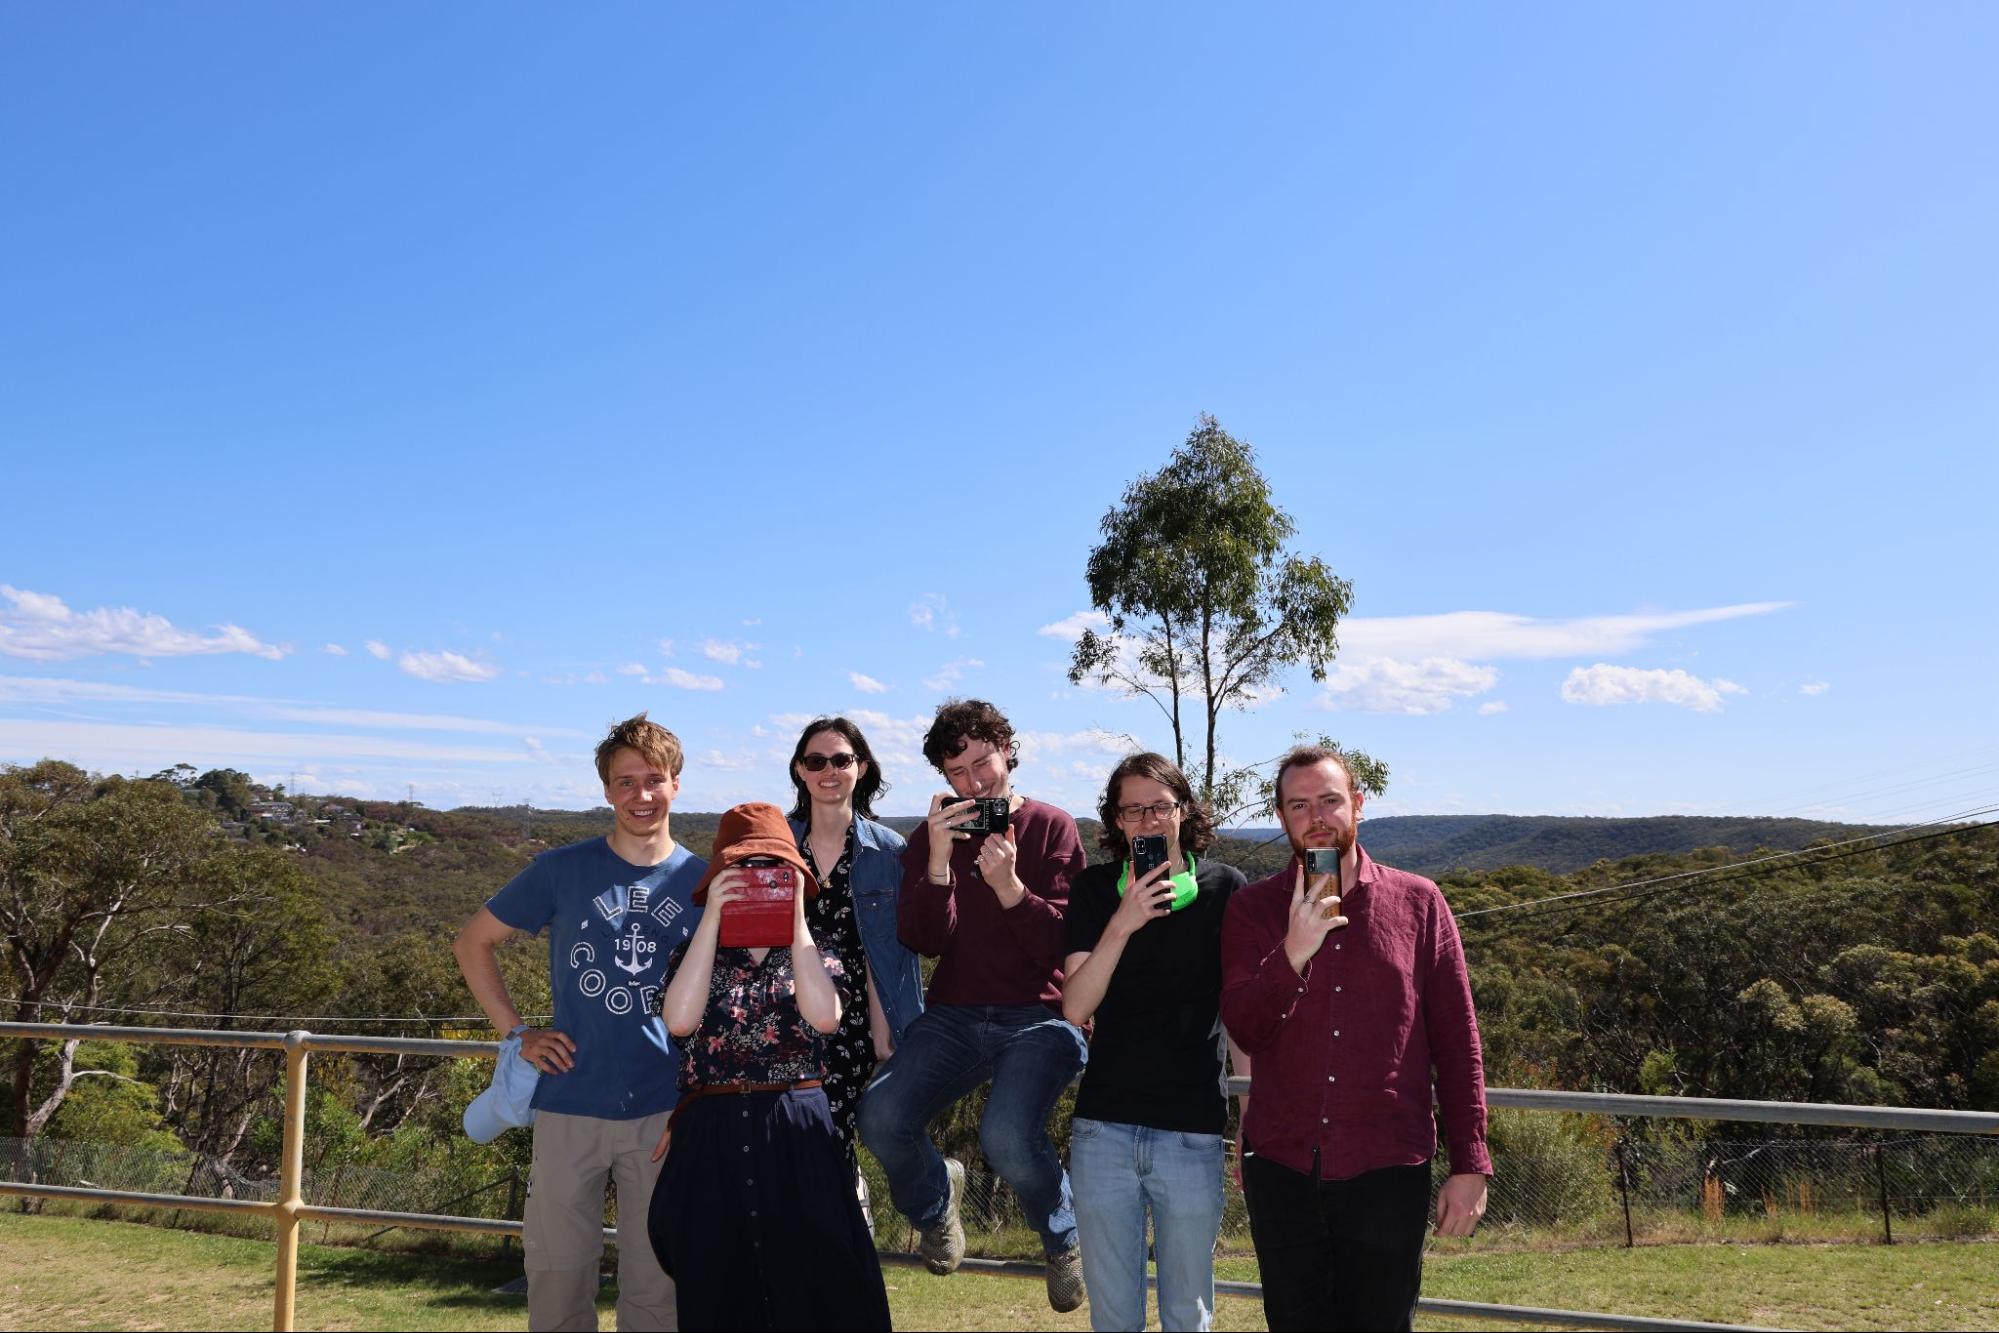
(290, 1209)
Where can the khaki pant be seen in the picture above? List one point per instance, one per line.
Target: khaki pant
(564, 1231)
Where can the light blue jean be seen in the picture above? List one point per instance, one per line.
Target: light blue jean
(1123, 1171)
(1031, 1055)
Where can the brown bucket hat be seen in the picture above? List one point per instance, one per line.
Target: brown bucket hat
(756, 828)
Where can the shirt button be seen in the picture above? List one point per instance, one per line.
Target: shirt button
(746, 1147)
(1337, 948)
(1325, 1122)
(1336, 1032)
(1336, 990)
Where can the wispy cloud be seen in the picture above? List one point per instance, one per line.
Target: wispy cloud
(866, 684)
(1603, 684)
(1070, 628)
(730, 652)
(933, 612)
(949, 674)
(445, 668)
(42, 690)
(685, 680)
(40, 627)
(334, 650)
(1815, 687)
(122, 747)
(1491, 707)
(1488, 635)
(378, 650)
(1415, 689)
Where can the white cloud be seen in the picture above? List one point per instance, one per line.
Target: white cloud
(1815, 687)
(751, 622)
(334, 649)
(948, 674)
(1603, 684)
(445, 668)
(866, 684)
(1089, 743)
(1495, 706)
(378, 650)
(1483, 635)
(686, 680)
(633, 669)
(933, 612)
(41, 628)
(1415, 689)
(666, 647)
(121, 747)
(730, 652)
(1071, 628)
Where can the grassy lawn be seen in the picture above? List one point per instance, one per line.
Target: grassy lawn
(77, 1273)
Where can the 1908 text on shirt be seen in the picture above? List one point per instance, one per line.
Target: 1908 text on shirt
(1344, 1055)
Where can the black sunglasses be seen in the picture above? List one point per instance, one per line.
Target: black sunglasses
(816, 763)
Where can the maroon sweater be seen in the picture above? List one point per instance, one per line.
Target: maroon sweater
(987, 955)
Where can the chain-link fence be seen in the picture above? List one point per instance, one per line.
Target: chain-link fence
(444, 1189)
(1633, 1192)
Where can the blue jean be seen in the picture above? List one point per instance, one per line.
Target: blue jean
(1122, 1171)
(1031, 1055)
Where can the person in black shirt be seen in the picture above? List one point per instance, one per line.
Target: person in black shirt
(1145, 962)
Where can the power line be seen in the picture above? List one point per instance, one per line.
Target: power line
(1754, 869)
(1732, 865)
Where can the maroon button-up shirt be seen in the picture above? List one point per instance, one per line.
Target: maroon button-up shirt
(1343, 1056)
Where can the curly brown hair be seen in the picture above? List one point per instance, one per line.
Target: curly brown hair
(959, 722)
(1197, 825)
(660, 747)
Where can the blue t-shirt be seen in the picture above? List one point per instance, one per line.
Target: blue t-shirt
(611, 927)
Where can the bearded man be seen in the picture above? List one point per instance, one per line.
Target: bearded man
(1346, 984)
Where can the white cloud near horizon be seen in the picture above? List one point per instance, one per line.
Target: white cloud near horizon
(39, 690)
(445, 668)
(42, 628)
(121, 747)
(866, 684)
(1603, 685)
(1413, 689)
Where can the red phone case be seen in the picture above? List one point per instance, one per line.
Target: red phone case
(761, 915)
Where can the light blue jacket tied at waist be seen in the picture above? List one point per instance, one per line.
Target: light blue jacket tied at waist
(876, 881)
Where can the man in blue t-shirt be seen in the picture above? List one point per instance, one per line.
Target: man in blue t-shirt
(614, 907)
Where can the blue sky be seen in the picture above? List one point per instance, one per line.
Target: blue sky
(395, 396)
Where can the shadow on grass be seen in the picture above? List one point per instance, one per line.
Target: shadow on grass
(442, 1281)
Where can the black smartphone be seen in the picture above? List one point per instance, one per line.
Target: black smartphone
(1148, 853)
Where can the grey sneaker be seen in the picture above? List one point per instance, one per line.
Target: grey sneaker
(943, 1245)
(1065, 1280)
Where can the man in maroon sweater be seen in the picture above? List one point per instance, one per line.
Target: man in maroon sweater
(988, 907)
(1349, 990)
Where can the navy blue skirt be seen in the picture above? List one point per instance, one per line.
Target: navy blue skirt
(756, 1219)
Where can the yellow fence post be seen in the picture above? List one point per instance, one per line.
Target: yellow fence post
(290, 1179)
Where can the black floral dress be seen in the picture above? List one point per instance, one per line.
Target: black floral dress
(850, 1051)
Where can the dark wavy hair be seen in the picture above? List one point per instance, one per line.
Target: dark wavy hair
(959, 722)
(1197, 826)
(871, 783)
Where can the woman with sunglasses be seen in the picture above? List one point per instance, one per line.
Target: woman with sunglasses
(858, 864)
(1145, 961)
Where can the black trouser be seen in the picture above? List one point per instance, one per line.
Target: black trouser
(1338, 1254)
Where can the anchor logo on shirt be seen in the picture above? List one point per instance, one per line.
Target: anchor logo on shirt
(634, 944)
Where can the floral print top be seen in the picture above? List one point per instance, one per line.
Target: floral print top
(751, 1031)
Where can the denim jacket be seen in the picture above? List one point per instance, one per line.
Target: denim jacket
(876, 880)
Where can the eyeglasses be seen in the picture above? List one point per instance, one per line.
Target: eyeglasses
(816, 763)
(1131, 814)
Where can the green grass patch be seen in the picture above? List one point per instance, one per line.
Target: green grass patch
(66, 1273)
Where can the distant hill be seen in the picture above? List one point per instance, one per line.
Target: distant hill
(1435, 845)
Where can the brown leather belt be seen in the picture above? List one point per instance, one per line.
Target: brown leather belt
(695, 1094)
